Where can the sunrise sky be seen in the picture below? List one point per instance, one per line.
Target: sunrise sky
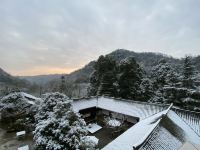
(59, 36)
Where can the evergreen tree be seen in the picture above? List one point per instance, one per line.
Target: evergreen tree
(58, 127)
(17, 111)
(130, 75)
(103, 79)
(188, 73)
(62, 85)
(146, 89)
(107, 85)
(164, 74)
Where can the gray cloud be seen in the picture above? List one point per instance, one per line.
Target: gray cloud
(64, 35)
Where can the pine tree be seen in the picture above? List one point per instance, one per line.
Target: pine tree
(107, 86)
(62, 85)
(58, 127)
(188, 73)
(130, 75)
(164, 74)
(146, 89)
(103, 79)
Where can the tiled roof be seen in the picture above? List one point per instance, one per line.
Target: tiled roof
(191, 118)
(164, 133)
(161, 139)
(131, 108)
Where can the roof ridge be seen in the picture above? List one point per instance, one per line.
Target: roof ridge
(171, 105)
(133, 101)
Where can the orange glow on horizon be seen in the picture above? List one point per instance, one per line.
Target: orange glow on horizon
(44, 71)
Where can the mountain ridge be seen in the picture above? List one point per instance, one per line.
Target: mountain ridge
(145, 59)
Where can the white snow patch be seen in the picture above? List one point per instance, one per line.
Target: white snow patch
(24, 148)
(21, 133)
(30, 96)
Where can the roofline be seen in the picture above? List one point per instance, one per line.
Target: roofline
(190, 111)
(138, 145)
(122, 99)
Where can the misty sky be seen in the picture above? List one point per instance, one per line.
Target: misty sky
(59, 36)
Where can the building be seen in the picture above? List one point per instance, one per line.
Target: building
(160, 127)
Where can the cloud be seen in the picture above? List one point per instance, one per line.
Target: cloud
(68, 34)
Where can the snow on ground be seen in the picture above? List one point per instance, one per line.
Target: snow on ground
(92, 128)
(189, 133)
(131, 108)
(136, 134)
(21, 133)
(24, 148)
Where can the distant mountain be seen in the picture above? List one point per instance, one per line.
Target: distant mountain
(81, 75)
(41, 79)
(146, 59)
(5, 77)
(9, 80)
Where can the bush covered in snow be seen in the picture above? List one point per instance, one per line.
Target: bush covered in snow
(16, 111)
(58, 127)
(114, 123)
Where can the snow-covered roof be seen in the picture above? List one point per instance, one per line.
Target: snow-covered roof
(84, 103)
(171, 134)
(160, 127)
(131, 108)
(161, 139)
(188, 132)
(190, 118)
(137, 134)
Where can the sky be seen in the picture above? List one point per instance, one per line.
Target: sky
(60, 36)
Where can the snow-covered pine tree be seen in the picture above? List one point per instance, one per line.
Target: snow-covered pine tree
(164, 74)
(103, 78)
(94, 84)
(188, 73)
(17, 111)
(58, 127)
(129, 78)
(107, 86)
(146, 89)
(62, 84)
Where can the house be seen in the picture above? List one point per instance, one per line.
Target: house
(156, 126)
